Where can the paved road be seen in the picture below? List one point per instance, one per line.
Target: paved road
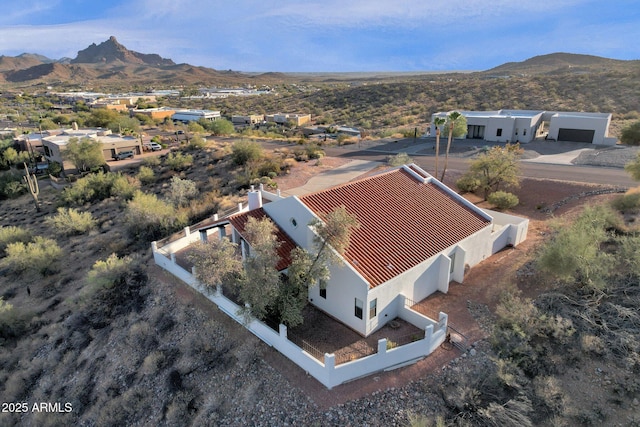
(585, 174)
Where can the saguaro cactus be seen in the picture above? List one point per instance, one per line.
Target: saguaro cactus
(32, 183)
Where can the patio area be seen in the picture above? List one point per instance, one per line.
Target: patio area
(320, 334)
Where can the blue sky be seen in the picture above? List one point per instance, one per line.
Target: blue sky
(328, 35)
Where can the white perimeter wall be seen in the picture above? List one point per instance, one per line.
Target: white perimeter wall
(326, 373)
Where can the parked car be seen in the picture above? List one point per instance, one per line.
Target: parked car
(152, 146)
(124, 155)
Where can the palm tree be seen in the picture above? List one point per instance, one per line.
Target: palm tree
(438, 122)
(452, 118)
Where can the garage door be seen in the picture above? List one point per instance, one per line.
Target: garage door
(576, 135)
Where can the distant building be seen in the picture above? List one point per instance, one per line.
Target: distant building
(526, 125)
(110, 105)
(195, 115)
(251, 119)
(55, 142)
(296, 119)
(156, 113)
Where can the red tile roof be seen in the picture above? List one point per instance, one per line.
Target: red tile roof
(239, 221)
(403, 221)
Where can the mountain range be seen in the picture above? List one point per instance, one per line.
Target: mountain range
(112, 64)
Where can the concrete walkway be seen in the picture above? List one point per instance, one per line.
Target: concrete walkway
(558, 159)
(333, 177)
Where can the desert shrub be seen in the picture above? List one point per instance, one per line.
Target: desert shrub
(243, 152)
(12, 234)
(113, 287)
(399, 159)
(519, 330)
(181, 191)
(98, 186)
(55, 168)
(41, 256)
(197, 142)
(153, 362)
(269, 166)
(124, 186)
(631, 134)
(146, 175)
(149, 218)
(151, 161)
(468, 184)
(12, 322)
(178, 161)
(628, 202)
(592, 344)
(69, 221)
(574, 253)
(11, 184)
(314, 151)
(220, 127)
(503, 200)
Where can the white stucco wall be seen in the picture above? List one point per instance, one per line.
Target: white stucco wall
(345, 285)
(289, 210)
(428, 277)
(597, 122)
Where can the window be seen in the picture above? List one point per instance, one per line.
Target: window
(358, 308)
(516, 131)
(453, 262)
(499, 132)
(373, 308)
(294, 222)
(323, 293)
(524, 132)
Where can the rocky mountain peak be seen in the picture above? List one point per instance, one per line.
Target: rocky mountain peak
(111, 51)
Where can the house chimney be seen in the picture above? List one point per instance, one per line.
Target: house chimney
(255, 199)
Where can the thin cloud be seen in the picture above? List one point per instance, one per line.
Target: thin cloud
(334, 35)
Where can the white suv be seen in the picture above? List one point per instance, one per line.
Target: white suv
(153, 146)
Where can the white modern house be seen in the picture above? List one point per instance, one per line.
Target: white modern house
(526, 125)
(195, 115)
(416, 236)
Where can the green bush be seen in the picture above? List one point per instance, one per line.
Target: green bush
(503, 200)
(12, 322)
(11, 184)
(314, 152)
(468, 184)
(113, 287)
(104, 274)
(269, 166)
(399, 159)
(146, 175)
(243, 152)
(151, 161)
(631, 134)
(197, 142)
(627, 203)
(178, 161)
(98, 186)
(12, 234)
(149, 218)
(41, 256)
(220, 127)
(181, 191)
(69, 221)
